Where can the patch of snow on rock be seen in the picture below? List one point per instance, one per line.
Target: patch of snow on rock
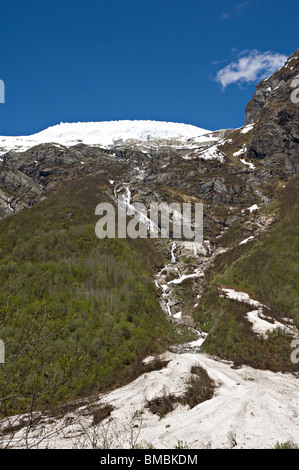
(246, 240)
(262, 326)
(247, 128)
(255, 207)
(241, 297)
(251, 165)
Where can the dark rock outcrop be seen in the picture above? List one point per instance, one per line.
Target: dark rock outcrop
(275, 136)
(242, 168)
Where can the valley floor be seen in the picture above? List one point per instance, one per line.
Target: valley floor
(250, 409)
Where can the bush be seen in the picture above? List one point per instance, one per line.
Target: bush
(286, 445)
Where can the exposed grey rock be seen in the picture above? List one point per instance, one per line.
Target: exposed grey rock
(161, 170)
(275, 134)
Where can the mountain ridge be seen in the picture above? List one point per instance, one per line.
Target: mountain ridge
(104, 133)
(232, 301)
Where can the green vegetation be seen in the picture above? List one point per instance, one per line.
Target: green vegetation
(232, 337)
(182, 445)
(267, 269)
(200, 387)
(161, 406)
(77, 314)
(270, 270)
(286, 445)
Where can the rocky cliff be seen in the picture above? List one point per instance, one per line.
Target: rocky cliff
(88, 311)
(275, 117)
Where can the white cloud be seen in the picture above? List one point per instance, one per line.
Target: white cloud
(251, 66)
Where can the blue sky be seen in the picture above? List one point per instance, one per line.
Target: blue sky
(97, 60)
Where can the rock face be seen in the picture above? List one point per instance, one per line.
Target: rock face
(229, 170)
(26, 177)
(234, 173)
(275, 116)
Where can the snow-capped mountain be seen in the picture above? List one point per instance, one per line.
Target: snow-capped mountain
(229, 377)
(104, 133)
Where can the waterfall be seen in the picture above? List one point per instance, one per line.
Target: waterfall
(173, 248)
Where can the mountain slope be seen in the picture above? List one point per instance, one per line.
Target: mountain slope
(276, 121)
(265, 266)
(94, 309)
(78, 314)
